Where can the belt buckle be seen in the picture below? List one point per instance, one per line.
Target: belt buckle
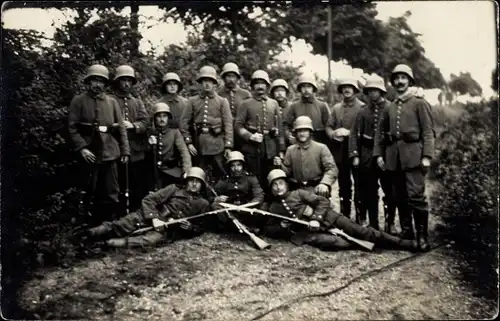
(103, 129)
(204, 130)
(305, 183)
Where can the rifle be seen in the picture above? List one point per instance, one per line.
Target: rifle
(260, 243)
(364, 244)
(127, 199)
(184, 219)
(156, 177)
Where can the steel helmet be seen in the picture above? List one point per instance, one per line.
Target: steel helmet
(171, 76)
(403, 69)
(230, 67)
(197, 172)
(97, 71)
(207, 72)
(347, 82)
(307, 79)
(375, 82)
(260, 74)
(280, 83)
(125, 71)
(275, 174)
(302, 122)
(161, 108)
(235, 156)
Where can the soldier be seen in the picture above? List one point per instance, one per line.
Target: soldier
(136, 120)
(309, 164)
(306, 205)
(409, 148)
(338, 129)
(310, 106)
(209, 117)
(171, 202)
(361, 152)
(279, 91)
(258, 123)
(91, 117)
(171, 154)
(171, 87)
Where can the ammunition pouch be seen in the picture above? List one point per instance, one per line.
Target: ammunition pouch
(406, 137)
(311, 183)
(169, 163)
(216, 130)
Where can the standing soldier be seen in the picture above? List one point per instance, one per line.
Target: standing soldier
(258, 123)
(90, 120)
(310, 106)
(171, 87)
(339, 126)
(361, 151)
(170, 153)
(279, 91)
(309, 164)
(209, 118)
(233, 92)
(409, 148)
(136, 121)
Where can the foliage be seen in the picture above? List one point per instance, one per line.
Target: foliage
(465, 84)
(494, 79)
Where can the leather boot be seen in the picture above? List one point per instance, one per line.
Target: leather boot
(98, 231)
(390, 215)
(421, 222)
(373, 214)
(395, 242)
(118, 243)
(345, 209)
(361, 214)
(405, 219)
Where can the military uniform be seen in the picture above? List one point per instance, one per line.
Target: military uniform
(343, 115)
(91, 122)
(260, 114)
(177, 104)
(361, 145)
(239, 189)
(297, 204)
(315, 109)
(235, 97)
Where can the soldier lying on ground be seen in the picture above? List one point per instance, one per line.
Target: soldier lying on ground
(170, 202)
(306, 205)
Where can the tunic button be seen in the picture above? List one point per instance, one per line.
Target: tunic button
(160, 144)
(236, 186)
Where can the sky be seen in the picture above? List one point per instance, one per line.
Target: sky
(457, 35)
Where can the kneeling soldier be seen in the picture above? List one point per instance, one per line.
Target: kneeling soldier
(306, 205)
(168, 146)
(170, 202)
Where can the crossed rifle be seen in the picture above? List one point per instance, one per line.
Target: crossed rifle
(247, 208)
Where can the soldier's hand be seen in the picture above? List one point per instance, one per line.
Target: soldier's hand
(281, 155)
(221, 198)
(128, 125)
(152, 140)
(426, 162)
(87, 155)
(257, 137)
(344, 132)
(124, 159)
(380, 162)
(285, 224)
(277, 161)
(314, 225)
(227, 152)
(186, 225)
(158, 224)
(292, 140)
(322, 190)
(192, 150)
(355, 161)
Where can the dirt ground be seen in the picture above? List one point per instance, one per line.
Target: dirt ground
(222, 277)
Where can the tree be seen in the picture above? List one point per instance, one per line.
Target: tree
(465, 84)
(494, 79)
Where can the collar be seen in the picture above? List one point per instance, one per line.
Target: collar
(404, 96)
(350, 102)
(305, 145)
(259, 98)
(204, 94)
(162, 130)
(99, 96)
(379, 103)
(122, 94)
(235, 89)
(283, 103)
(308, 99)
(170, 97)
(284, 196)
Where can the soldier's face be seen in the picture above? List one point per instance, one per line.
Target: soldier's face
(374, 94)
(207, 84)
(161, 119)
(303, 135)
(172, 87)
(347, 91)
(230, 79)
(125, 84)
(96, 85)
(279, 187)
(401, 82)
(193, 185)
(279, 94)
(306, 90)
(236, 168)
(260, 86)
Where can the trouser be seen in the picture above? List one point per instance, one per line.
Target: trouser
(367, 194)
(100, 181)
(340, 152)
(409, 195)
(385, 178)
(137, 183)
(260, 166)
(213, 165)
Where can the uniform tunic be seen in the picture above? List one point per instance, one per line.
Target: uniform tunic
(310, 164)
(315, 109)
(235, 97)
(170, 146)
(210, 117)
(177, 104)
(240, 189)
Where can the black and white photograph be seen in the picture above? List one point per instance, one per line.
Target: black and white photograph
(249, 160)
